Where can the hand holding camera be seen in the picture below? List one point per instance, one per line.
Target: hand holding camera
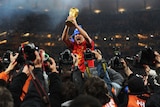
(89, 55)
(75, 59)
(97, 54)
(12, 64)
(66, 57)
(123, 63)
(38, 61)
(157, 59)
(27, 69)
(127, 70)
(53, 66)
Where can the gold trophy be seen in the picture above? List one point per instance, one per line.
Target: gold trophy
(73, 12)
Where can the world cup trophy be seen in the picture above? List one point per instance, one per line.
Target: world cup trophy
(73, 12)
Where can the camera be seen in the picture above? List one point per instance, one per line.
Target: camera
(46, 61)
(46, 57)
(145, 56)
(27, 52)
(115, 62)
(88, 55)
(6, 57)
(65, 57)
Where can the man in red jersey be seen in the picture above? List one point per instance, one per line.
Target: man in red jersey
(79, 43)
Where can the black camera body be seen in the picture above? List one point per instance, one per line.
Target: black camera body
(27, 51)
(145, 56)
(88, 55)
(65, 57)
(115, 62)
(6, 57)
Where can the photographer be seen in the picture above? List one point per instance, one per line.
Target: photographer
(23, 88)
(81, 41)
(148, 60)
(113, 79)
(4, 75)
(135, 93)
(154, 99)
(6, 98)
(157, 62)
(69, 70)
(72, 80)
(7, 76)
(93, 85)
(29, 86)
(77, 75)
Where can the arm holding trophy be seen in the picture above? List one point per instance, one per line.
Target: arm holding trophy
(73, 13)
(72, 22)
(81, 31)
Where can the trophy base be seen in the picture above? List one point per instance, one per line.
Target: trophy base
(69, 23)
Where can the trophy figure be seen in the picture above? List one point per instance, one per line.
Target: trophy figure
(73, 12)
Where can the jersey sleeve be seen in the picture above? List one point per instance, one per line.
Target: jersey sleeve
(4, 76)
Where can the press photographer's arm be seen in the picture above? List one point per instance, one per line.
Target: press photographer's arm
(127, 70)
(12, 63)
(5, 75)
(157, 58)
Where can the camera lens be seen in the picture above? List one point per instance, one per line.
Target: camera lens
(46, 57)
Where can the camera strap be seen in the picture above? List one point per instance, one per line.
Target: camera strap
(24, 55)
(104, 65)
(40, 90)
(88, 70)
